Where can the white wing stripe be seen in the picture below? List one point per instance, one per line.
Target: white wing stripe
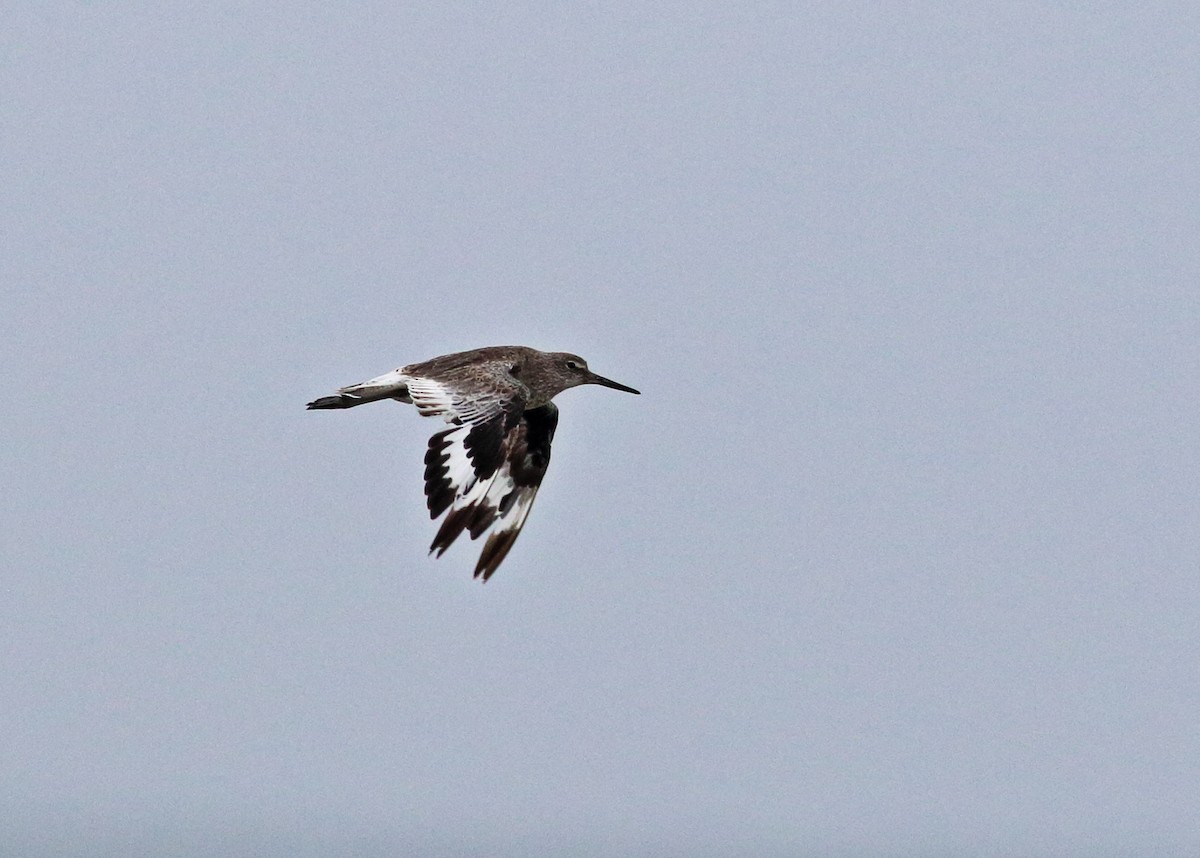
(459, 471)
(432, 397)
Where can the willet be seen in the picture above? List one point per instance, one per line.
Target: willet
(486, 468)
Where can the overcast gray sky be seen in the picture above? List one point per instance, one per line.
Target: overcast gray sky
(896, 555)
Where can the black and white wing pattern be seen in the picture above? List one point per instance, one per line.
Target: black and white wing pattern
(483, 470)
(487, 473)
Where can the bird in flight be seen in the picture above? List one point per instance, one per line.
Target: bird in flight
(485, 469)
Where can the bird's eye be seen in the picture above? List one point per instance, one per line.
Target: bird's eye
(573, 364)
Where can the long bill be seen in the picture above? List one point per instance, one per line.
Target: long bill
(608, 382)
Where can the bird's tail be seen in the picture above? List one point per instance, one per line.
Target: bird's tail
(393, 385)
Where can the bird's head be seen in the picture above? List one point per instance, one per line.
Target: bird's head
(572, 370)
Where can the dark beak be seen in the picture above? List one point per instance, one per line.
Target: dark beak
(592, 378)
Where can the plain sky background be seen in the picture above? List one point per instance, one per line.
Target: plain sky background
(897, 555)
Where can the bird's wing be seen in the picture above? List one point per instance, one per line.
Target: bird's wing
(502, 490)
(472, 449)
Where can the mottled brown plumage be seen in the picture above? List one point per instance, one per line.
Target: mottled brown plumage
(486, 468)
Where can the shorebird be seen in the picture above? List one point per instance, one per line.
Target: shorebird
(486, 468)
